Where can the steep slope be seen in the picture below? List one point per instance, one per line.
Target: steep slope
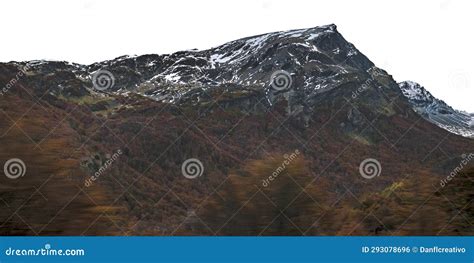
(318, 56)
(437, 111)
(46, 200)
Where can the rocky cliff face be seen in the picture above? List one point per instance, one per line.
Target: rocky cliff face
(437, 111)
(310, 62)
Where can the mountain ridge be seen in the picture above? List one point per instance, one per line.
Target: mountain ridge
(317, 97)
(437, 111)
(323, 48)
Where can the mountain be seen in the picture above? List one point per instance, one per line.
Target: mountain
(286, 133)
(437, 111)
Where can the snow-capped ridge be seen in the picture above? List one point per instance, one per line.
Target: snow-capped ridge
(437, 111)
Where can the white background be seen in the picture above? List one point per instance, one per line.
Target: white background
(429, 42)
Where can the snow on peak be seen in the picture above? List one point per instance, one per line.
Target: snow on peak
(239, 50)
(437, 111)
(415, 92)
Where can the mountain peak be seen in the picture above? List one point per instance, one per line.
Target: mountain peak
(436, 110)
(294, 33)
(415, 92)
(328, 27)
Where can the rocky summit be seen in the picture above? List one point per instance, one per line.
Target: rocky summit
(286, 133)
(437, 111)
